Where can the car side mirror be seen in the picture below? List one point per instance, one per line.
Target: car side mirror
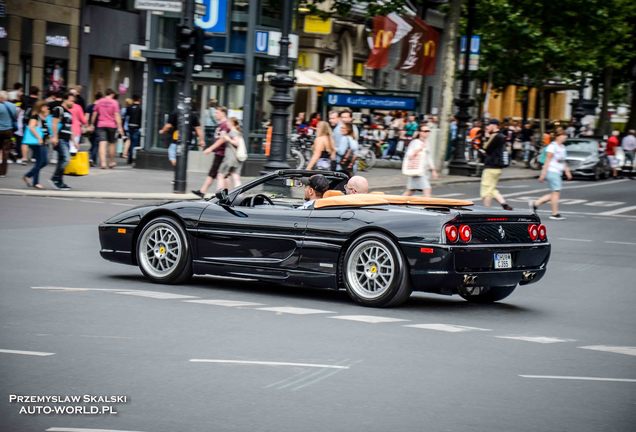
(222, 196)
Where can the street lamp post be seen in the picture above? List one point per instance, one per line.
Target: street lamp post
(281, 100)
(459, 164)
(579, 110)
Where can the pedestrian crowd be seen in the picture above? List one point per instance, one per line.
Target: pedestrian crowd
(50, 129)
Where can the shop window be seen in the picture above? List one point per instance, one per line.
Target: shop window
(55, 74)
(271, 13)
(167, 34)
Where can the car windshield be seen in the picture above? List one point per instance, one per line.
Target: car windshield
(582, 146)
(287, 190)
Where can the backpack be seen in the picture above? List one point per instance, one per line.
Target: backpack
(543, 155)
(241, 150)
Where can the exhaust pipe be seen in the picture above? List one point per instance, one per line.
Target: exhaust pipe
(527, 276)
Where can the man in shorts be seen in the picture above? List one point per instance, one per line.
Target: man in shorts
(219, 151)
(107, 114)
(494, 145)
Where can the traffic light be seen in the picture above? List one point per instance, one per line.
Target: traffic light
(185, 42)
(200, 50)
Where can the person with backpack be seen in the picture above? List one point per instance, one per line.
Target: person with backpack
(64, 141)
(8, 125)
(494, 160)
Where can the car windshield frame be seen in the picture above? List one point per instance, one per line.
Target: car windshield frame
(336, 179)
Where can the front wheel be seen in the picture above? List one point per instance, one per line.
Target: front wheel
(163, 252)
(374, 272)
(485, 294)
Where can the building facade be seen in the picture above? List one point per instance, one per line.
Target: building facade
(39, 43)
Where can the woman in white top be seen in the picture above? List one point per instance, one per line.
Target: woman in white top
(553, 169)
(417, 163)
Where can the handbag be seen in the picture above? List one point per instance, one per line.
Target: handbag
(241, 150)
(348, 159)
(414, 166)
(29, 138)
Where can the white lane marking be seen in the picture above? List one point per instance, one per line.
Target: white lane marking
(268, 363)
(618, 211)
(226, 303)
(91, 202)
(368, 318)
(450, 328)
(74, 289)
(537, 339)
(64, 429)
(604, 203)
(620, 242)
(60, 199)
(123, 204)
(613, 349)
(573, 239)
(31, 353)
(294, 310)
(155, 295)
(579, 378)
(565, 188)
(322, 377)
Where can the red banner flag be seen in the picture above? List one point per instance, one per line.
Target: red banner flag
(419, 49)
(380, 42)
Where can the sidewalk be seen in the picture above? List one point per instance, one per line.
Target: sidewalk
(125, 182)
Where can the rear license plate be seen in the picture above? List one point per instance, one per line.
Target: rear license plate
(503, 261)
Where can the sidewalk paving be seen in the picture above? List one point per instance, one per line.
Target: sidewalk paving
(126, 182)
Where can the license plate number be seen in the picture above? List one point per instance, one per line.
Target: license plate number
(503, 261)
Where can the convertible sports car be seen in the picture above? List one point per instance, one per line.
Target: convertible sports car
(377, 247)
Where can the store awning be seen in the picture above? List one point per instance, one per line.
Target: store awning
(311, 78)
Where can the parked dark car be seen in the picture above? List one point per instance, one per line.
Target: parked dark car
(379, 248)
(587, 159)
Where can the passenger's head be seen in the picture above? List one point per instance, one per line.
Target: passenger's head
(357, 185)
(315, 186)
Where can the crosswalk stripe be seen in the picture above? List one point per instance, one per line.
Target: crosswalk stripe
(226, 303)
(294, 310)
(450, 328)
(156, 295)
(31, 353)
(618, 211)
(579, 378)
(627, 350)
(537, 339)
(371, 319)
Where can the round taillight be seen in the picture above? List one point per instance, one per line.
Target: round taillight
(465, 233)
(542, 232)
(451, 233)
(533, 232)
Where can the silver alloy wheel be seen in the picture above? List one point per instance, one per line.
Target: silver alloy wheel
(161, 250)
(370, 269)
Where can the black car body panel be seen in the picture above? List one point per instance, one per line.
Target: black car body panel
(290, 246)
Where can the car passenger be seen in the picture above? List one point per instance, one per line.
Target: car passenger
(357, 185)
(315, 187)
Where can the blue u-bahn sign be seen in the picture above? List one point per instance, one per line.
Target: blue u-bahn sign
(371, 102)
(215, 18)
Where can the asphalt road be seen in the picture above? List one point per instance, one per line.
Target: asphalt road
(226, 356)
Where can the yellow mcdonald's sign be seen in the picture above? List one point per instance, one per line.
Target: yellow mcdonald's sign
(383, 39)
(429, 49)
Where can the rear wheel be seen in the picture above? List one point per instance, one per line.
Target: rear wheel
(485, 294)
(163, 252)
(299, 159)
(374, 272)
